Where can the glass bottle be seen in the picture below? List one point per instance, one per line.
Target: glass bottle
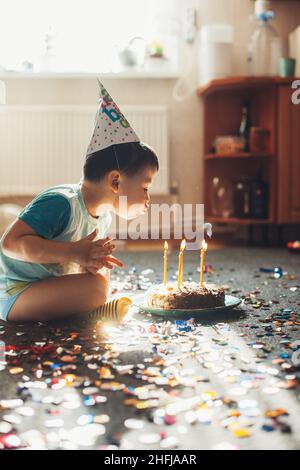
(245, 124)
(221, 197)
(259, 197)
(241, 198)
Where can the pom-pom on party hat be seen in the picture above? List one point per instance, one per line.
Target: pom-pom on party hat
(111, 126)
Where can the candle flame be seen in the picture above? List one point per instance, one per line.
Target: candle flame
(182, 246)
(204, 245)
(166, 245)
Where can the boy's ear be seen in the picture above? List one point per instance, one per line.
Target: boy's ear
(114, 181)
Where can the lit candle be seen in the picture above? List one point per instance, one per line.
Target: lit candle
(203, 253)
(165, 262)
(180, 263)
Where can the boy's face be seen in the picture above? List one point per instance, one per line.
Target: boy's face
(136, 190)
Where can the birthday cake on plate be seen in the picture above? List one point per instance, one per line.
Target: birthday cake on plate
(189, 296)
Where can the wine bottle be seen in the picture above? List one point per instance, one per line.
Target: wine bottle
(245, 125)
(259, 197)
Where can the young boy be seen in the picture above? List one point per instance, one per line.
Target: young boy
(55, 258)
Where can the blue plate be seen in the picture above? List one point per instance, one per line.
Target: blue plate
(230, 303)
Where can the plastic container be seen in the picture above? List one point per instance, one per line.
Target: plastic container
(265, 48)
(2, 93)
(262, 6)
(215, 52)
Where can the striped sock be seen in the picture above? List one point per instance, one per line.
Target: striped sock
(112, 311)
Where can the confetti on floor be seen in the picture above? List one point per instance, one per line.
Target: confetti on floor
(227, 382)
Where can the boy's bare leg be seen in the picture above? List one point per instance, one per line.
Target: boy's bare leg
(58, 297)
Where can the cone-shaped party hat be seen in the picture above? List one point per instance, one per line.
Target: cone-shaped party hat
(111, 126)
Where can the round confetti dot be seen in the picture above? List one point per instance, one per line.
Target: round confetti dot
(132, 423)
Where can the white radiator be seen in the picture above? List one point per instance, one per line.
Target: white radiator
(42, 146)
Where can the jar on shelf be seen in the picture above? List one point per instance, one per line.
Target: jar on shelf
(258, 140)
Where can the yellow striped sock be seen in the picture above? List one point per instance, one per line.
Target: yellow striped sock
(112, 311)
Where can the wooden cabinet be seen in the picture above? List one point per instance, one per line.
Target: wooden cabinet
(271, 108)
(288, 158)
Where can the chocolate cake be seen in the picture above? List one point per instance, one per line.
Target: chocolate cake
(189, 296)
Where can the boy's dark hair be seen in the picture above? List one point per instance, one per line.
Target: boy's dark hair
(129, 159)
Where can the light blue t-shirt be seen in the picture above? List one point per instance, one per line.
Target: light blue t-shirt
(59, 214)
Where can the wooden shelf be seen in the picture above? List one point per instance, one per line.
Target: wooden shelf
(217, 156)
(271, 108)
(236, 220)
(242, 82)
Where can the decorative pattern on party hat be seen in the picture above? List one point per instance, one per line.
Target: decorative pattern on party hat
(111, 126)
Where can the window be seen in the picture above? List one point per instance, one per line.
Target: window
(85, 35)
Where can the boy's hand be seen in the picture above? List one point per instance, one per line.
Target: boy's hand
(94, 255)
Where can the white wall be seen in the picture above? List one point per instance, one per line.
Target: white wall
(186, 117)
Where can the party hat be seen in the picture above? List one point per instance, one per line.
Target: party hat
(111, 126)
